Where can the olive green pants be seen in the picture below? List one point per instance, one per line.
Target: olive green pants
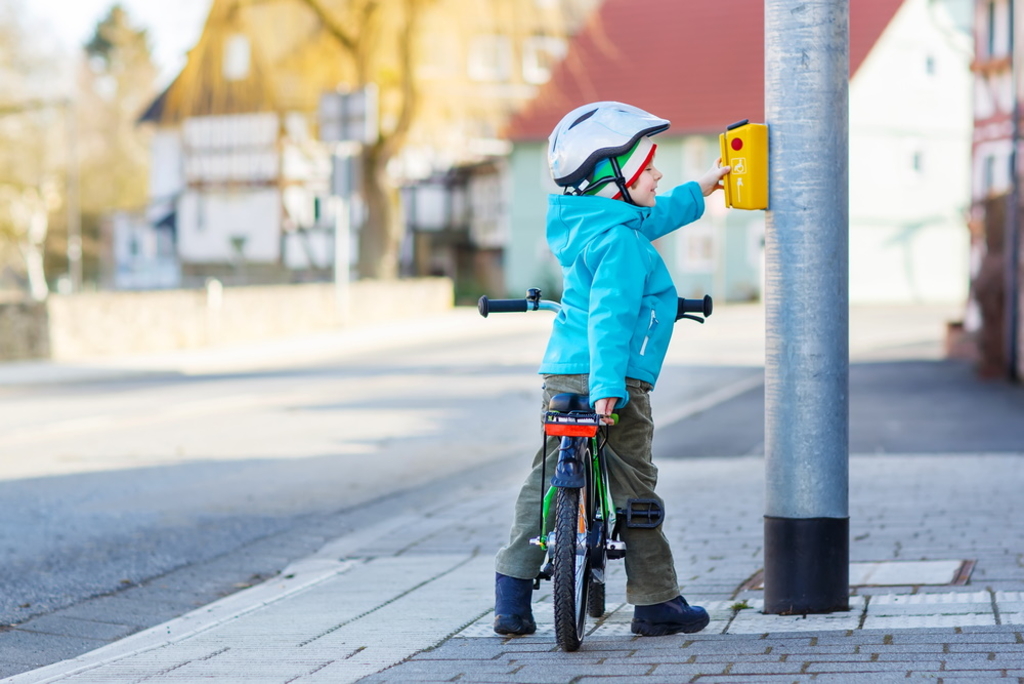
(650, 571)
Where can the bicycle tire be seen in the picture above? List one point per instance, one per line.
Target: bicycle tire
(595, 599)
(571, 578)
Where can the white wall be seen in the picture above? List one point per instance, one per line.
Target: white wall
(910, 176)
(166, 175)
(144, 256)
(208, 220)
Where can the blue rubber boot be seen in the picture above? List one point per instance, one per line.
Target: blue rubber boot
(669, 617)
(513, 614)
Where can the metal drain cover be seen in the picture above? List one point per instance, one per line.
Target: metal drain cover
(895, 574)
(910, 573)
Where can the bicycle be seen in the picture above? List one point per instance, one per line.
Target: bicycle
(578, 505)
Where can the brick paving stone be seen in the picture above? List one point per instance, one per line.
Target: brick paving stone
(794, 666)
(987, 647)
(962, 675)
(730, 657)
(830, 649)
(870, 678)
(761, 679)
(686, 669)
(985, 660)
(901, 652)
(956, 678)
(830, 666)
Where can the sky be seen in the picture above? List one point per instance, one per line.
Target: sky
(173, 25)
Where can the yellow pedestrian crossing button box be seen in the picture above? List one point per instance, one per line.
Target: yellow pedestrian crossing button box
(745, 148)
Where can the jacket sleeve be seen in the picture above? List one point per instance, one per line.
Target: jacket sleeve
(683, 204)
(619, 266)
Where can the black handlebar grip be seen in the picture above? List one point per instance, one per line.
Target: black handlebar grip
(487, 306)
(699, 306)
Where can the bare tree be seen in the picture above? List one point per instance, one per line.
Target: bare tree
(31, 151)
(358, 29)
(390, 43)
(26, 221)
(117, 83)
(448, 74)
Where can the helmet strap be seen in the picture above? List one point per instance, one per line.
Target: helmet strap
(620, 180)
(577, 190)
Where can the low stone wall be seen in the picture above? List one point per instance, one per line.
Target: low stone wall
(88, 325)
(24, 332)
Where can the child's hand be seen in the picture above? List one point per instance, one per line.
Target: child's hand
(605, 408)
(712, 179)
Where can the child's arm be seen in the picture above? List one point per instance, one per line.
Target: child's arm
(683, 204)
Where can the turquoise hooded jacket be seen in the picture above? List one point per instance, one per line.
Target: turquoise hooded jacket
(618, 301)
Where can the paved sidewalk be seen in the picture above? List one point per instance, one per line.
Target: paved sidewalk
(409, 599)
(414, 595)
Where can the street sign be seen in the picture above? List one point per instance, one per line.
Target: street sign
(349, 116)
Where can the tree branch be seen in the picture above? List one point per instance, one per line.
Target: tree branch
(332, 26)
(410, 94)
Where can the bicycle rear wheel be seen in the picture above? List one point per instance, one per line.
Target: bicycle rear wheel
(571, 577)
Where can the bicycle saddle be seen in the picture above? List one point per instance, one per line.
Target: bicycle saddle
(566, 402)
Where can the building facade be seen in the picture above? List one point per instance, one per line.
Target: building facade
(910, 126)
(996, 274)
(239, 167)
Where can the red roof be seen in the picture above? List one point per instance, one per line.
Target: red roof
(698, 64)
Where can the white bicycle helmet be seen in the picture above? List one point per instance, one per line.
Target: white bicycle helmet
(601, 148)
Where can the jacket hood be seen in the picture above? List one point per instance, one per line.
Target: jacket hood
(573, 221)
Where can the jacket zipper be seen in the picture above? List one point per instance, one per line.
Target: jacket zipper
(650, 329)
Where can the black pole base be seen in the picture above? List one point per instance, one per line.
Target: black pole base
(806, 565)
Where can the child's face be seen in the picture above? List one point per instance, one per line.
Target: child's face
(645, 188)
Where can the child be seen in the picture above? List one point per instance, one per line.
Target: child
(609, 341)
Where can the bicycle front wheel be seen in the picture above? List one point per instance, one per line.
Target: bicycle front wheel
(571, 577)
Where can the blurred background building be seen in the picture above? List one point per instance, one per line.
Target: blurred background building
(910, 125)
(241, 172)
(230, 171)
(995, 306)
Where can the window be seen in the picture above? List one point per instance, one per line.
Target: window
(490, 58)
(540, 55)
(991, 27)
(997, 28)
(697, 249)
(236, 57)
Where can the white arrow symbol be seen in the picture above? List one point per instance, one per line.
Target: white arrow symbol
(739, 189)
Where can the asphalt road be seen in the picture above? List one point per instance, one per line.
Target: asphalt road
(896, 407)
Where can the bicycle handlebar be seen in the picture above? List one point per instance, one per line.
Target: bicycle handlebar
(487, 306)
(698, 306)
(533, 302)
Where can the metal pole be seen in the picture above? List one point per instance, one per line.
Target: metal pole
(74, 217)
(806, 533)
(1011, 232)
(341, 189)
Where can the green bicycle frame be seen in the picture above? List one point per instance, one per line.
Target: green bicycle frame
(601, 493)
